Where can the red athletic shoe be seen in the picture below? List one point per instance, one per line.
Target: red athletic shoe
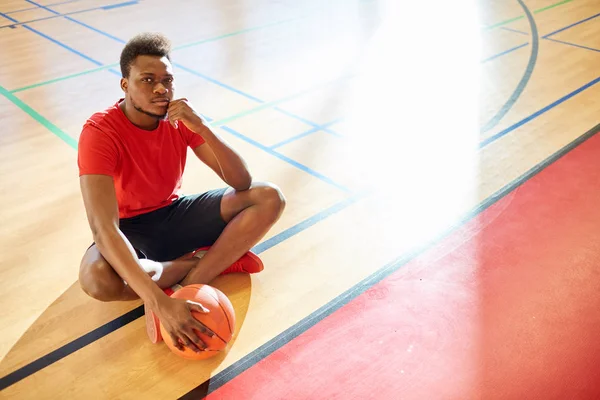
(249, 263)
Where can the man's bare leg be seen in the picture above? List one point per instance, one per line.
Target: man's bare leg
(249, 215)
(100, 281)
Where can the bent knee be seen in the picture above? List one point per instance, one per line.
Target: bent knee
(271, 195)
(100, 281)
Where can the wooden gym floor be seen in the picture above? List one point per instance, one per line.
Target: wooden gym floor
(384, 125)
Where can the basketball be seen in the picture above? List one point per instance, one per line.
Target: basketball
(220, 319)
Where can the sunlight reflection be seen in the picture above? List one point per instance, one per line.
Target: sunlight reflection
(414, 115)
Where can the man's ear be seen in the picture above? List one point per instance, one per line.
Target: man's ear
(124, 84)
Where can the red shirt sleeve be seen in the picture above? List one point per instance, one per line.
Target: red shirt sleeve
(97, 152)
(193, 139)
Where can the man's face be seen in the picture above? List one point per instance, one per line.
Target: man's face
(150, 86)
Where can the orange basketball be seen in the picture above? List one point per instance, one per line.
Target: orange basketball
(220, 319)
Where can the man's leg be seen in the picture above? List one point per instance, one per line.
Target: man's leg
(249, 216)
(100, 281)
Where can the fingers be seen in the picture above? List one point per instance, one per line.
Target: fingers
(197, 307)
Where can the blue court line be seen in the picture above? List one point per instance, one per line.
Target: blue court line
(47, 5)
(307, 122)
(119, 5)
(286, 159)
(76, 21)
(58, 15)
(138, 312)
(553, 40)
(514, 30)
(262, 352)
(55, 41)
(572, 44)
(503, 53)
(191, 71)
(307, 223)
(570, 26)
(526, 75)
(536, 114)
(303, 134)
(294, 138)
(256, 144)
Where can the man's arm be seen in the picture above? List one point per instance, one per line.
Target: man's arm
(103, 216)
(215, 152)
(102, 211)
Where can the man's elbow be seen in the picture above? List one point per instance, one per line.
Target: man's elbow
(242, 184)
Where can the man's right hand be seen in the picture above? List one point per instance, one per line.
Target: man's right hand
(176, 317)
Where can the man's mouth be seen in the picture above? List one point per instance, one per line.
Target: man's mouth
(161, 102)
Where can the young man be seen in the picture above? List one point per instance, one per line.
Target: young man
(131, 160)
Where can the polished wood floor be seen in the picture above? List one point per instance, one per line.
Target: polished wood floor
(383, 125)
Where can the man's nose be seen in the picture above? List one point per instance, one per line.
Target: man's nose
(160, 88)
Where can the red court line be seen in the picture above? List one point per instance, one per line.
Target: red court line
(507, 307)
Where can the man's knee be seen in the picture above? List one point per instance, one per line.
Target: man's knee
(99, 281)
(271, 196)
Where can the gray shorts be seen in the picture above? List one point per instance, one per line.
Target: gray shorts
(187, 224)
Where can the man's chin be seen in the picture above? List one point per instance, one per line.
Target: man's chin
(161, 116)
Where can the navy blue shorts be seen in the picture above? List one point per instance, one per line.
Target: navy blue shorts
(187, 224)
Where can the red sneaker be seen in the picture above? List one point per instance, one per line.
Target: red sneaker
(249, 263)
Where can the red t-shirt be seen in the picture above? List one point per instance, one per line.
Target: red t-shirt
(147, 166)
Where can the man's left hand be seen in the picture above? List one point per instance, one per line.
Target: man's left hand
(181, 110)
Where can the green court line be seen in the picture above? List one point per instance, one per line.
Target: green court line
(539, 10)
(278, 101)
(39, 118)
(183, 46)
(88, 71)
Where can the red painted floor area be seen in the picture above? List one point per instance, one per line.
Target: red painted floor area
(507, 307)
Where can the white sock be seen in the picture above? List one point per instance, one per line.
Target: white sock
(152, 266)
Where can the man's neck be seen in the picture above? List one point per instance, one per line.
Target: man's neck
(138, 118)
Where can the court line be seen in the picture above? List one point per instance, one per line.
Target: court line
(514, 30)
(49, 5)
(39, 118)
(536, 114)
(570, 26)
(338, 207)
(184, 46)
(138, 312)
(572, 44)
(286, 159)
(526, 75)
(314, 125)
(189, 70)
(552, 40)
(338, 302)
(272, 103)
(303, 134)
(72, 50)
(503, 53)
(70, 348)
(508, 21)
(118, 5)
(58, 15)
(523, 122)
(290, 161)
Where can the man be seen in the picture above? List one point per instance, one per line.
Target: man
(131, 160)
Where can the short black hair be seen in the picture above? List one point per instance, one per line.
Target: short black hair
(144, 44)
